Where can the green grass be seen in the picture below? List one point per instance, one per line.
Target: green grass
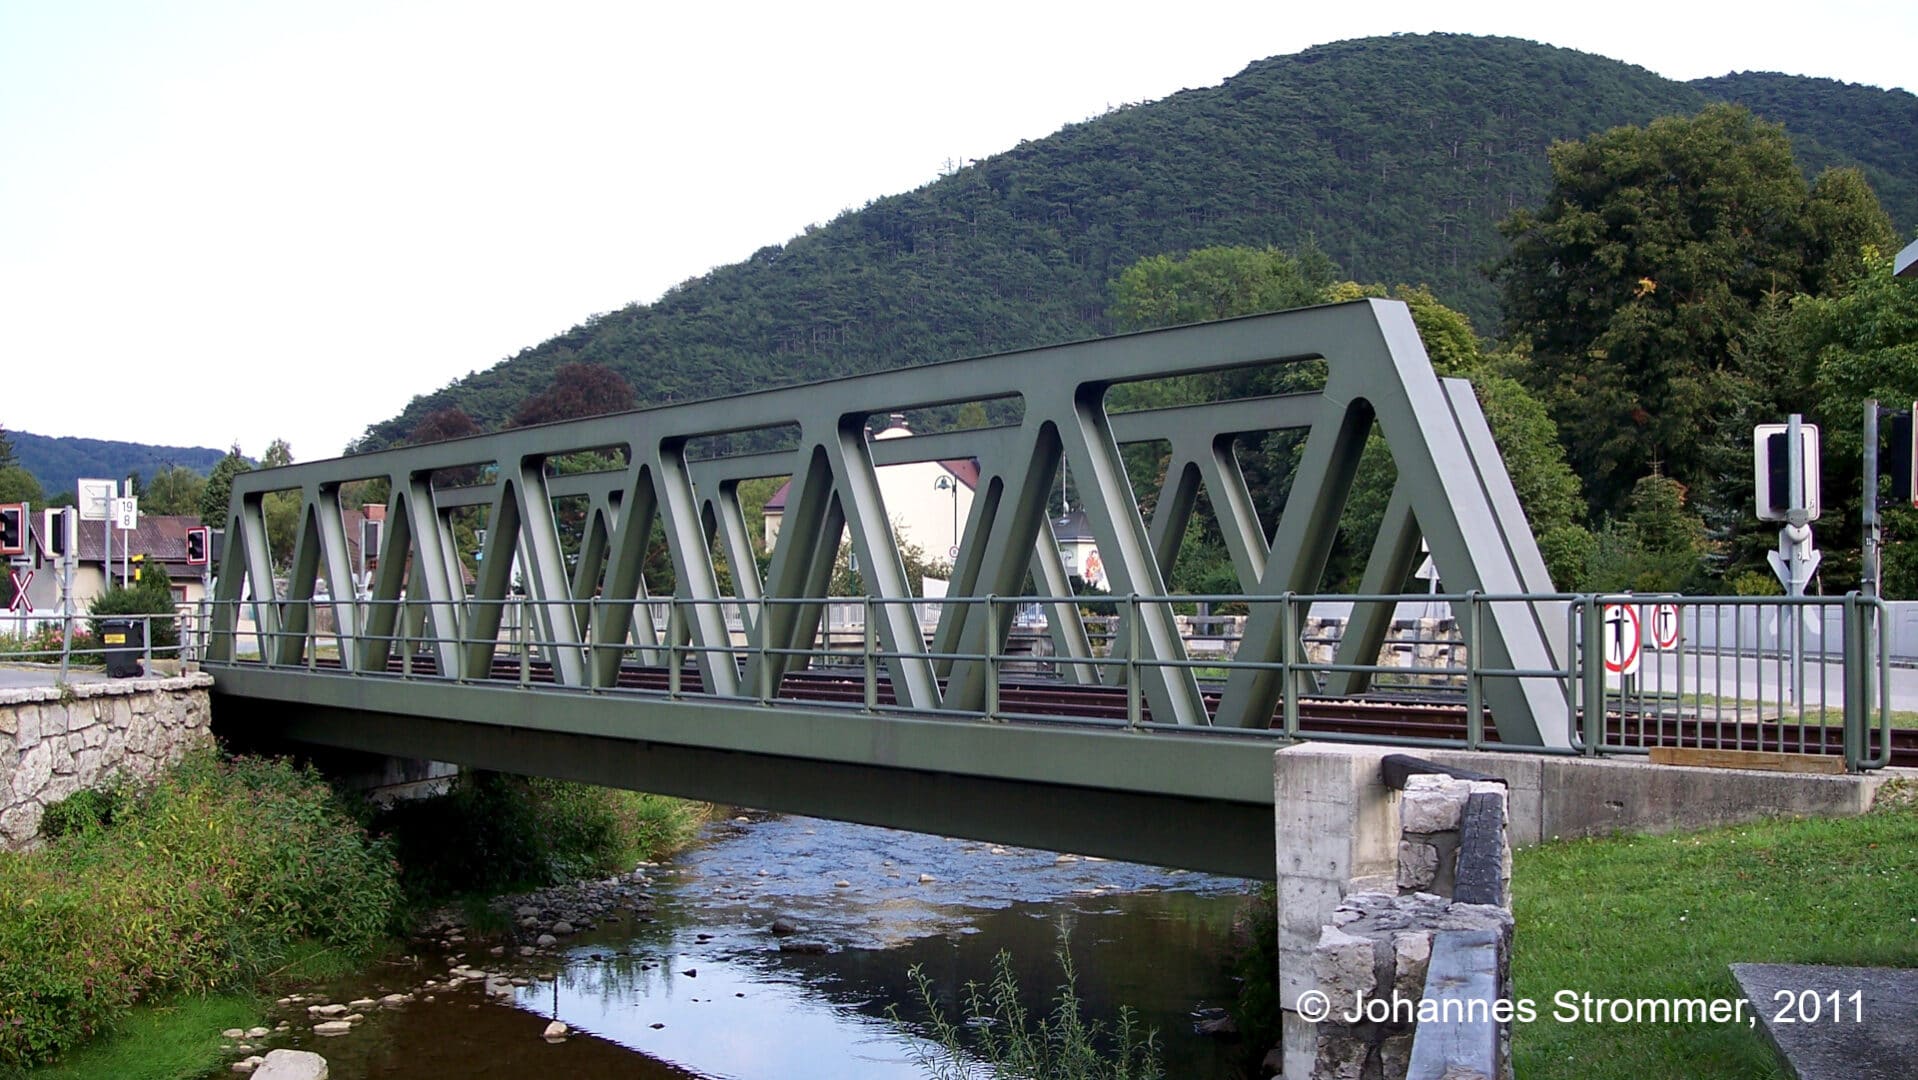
(1663, 916)
(172, 1041)
(1833, 716)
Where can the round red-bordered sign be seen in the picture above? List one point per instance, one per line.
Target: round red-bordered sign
(1665, 627)
(1624, 638)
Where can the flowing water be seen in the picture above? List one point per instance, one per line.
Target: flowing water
(703, 987)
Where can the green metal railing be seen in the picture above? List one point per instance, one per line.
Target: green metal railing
(71, 642)
(1741, 693)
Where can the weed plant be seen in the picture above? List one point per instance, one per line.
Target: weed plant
(206, 880)
(1256, 968)
(1002, 1036)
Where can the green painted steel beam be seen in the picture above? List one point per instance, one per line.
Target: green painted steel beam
(1201, 801)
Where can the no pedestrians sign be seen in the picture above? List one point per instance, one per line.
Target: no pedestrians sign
(1624, 639)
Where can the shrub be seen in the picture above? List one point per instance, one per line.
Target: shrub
(497, 833)
(204, 881)
(151, 595)
(86, 810)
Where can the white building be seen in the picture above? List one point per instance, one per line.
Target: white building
(927, 501)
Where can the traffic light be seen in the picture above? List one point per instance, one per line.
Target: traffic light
(139, 564)
(56, 523)
(370, 543)
(1901, 458)
(13, 529)
(198, 540)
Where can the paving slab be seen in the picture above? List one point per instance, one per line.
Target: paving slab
(27, 675)
(1830, 1022)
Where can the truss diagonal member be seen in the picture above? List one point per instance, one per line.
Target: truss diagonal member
(301, 587)
(1379, 368)
(802, 565)
(1011, 535)
(429, 573)
(486, 606)
(383, 615)
(1395, 553)
(623, 586)
(1171, 690)
(857, 489)
(549, 590)
(338, 568)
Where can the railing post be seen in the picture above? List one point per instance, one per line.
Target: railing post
(1288, 656)
(872, 668)
(1474, 692)
(1857, 684)
(406, 647)
(992, 657)
(1134, 709)
(1591, 658)
(312, 637)
(765, 666)
(520, 645)
(675, 679)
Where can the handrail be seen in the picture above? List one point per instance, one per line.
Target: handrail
(1702, 697)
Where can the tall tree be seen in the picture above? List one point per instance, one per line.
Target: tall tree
(219, 487)
(1647, 262)
(579, 389)
(174, 490)
(443, 424)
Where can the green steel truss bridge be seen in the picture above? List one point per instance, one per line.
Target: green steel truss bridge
(720, 688)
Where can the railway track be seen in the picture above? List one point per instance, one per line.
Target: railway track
(1381, 718)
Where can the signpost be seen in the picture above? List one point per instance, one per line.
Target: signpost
(1787, 455)
(21, 604)
(95, 499)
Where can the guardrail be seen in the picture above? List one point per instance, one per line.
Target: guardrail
(1734, 699)
(1788, 688)
(89, 640)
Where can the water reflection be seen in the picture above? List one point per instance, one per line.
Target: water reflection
(707, 989)
(883, 901)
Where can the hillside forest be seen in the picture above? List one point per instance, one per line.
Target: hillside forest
(1631, 271)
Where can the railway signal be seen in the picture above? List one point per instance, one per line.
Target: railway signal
(198, 540)
(13, 529)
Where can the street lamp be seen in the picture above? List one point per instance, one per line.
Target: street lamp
(950, 483)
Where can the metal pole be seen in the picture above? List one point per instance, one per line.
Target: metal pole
(1868, 510)
(992, 658)
(1797, 534)
(1134, 713)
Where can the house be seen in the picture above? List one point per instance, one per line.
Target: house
(159, 540)
(928, 501)
(1078, 549)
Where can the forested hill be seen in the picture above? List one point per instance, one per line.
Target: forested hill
(1397, 156)
(56, 462)
(1835, 123)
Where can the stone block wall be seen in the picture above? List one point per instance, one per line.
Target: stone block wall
(56, 740)
(1371, 961)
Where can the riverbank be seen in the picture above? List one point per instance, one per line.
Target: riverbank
(148, 911)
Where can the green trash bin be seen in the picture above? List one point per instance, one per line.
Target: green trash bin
(123, 641)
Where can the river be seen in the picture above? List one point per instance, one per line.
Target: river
(703, 987)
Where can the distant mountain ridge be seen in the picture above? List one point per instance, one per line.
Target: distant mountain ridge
(57, 461)
(1396, 156)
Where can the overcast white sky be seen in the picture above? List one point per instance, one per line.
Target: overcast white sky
(228, 220)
